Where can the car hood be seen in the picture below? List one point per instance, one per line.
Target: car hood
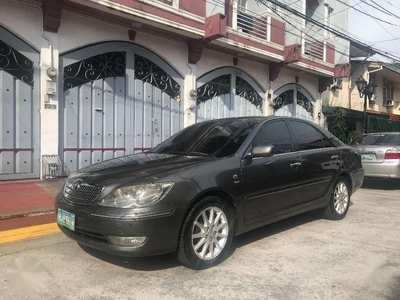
(136, 168)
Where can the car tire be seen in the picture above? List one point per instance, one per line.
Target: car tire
(339, 202)
(205, 243)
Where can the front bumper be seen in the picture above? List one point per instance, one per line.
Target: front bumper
(93, 225)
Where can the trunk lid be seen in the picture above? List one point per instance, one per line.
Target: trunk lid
(374, 146)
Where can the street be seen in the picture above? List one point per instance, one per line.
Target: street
(304, 257)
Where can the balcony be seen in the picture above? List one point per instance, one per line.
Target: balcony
(259, 30)
(318, 50)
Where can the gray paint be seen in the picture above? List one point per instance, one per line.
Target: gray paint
(228, 105)
(19, 112)
(120, 112)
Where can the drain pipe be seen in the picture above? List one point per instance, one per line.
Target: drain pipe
(50, 44)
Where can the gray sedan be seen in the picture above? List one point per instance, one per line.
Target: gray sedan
(380, 153)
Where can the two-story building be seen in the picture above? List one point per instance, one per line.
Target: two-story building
(90, 80)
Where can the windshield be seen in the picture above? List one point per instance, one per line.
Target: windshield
(215, 138)
(377, 139)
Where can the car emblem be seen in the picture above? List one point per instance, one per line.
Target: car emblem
(77, 185)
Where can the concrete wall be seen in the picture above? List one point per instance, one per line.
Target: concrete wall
(337, 97)
(340, 22)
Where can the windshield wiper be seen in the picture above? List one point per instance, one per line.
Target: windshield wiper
(187, 153)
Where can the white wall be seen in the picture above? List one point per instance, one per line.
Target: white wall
(28, 28)
(340, 22)
(29, 21)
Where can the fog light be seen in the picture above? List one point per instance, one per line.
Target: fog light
(129, 241)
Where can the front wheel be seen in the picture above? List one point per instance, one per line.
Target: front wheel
(340, 201)
(206, 234)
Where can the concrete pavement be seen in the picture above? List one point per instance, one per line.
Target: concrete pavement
(300, 258)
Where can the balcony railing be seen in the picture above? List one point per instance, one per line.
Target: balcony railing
(319, 50)
(251, 23)
(314, 49)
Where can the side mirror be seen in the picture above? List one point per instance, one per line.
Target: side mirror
(262, 151)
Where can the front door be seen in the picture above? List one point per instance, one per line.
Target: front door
(271, 184)
(19, 108)
(117, 99)
(321, 161)
(225, 93)
(293, 101)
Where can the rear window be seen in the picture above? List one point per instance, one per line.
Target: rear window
(377, 139)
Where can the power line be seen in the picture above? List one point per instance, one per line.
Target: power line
(367, 14)
(332, 30)
(384, 41)
(381, 9)
(392, 4)
(384, 28)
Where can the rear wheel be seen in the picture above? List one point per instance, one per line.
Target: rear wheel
(206, 234)
(340, 201)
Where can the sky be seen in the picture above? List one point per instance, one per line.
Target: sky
(374, 32)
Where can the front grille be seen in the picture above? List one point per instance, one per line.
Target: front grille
(81, 193)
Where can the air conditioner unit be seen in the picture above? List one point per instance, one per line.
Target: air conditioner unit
(337, 84)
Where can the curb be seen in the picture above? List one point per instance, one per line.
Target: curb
(31, 213)
(28, 233)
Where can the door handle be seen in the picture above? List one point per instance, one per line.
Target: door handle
(335, 156)
(296, 164)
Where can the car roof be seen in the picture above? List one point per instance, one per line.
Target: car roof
(258, 118)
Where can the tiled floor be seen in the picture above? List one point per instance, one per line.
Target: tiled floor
(27, 196)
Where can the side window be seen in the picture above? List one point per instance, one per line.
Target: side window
(275, 134)
(308, 137)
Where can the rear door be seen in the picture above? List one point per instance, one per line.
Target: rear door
(321, 161)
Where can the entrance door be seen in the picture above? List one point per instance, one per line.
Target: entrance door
(227, 92)
(118, 99)
(293, 101)
(19, 108)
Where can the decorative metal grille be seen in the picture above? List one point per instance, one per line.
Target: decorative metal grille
(245, 90)
(303, 101)
(16, 64)
(81, 193)
(149, 72)
(111, 64)
(218, 86)
(286, 98)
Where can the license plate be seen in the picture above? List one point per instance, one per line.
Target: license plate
(366, 156)
(66, 219)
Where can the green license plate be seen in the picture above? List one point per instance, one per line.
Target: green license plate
(367, 156)
(66, 219)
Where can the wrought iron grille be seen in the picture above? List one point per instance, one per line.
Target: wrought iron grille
(245, 90)
(149, 72)
(77, 192)
(111, 64)
(16, 64)
(286, 98)
(303, 101)
(218, 86)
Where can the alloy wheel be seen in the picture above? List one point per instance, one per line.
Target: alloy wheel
(210, 233)
(341, 198)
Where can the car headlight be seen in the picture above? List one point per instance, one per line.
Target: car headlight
(137, 195)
